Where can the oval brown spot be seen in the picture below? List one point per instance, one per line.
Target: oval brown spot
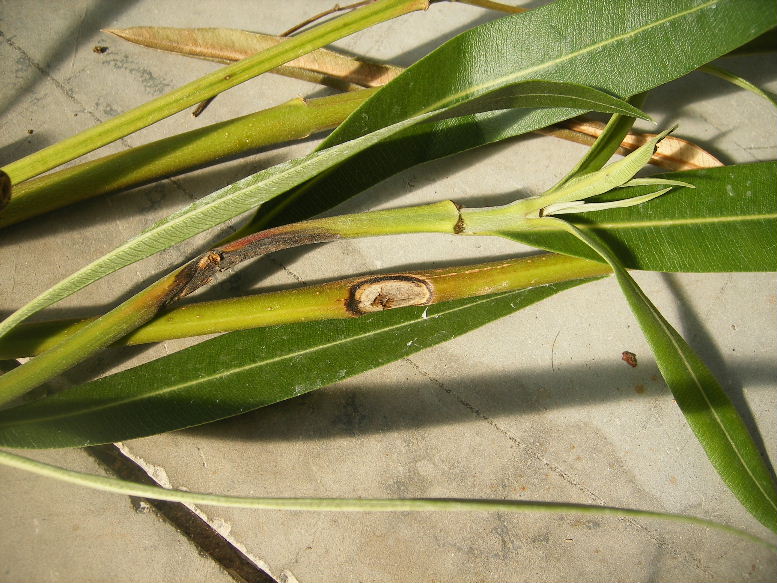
(386, 292)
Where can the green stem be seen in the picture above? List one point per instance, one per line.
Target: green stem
(318, 302)
(116, 486)
(439, 217)
(208, 86)
(294, 120)
(89, 339)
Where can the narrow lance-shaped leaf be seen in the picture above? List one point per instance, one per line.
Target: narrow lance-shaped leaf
(117, 486)
(708, 410)
(734, 79)
(608, 44)
(250, 192)
(229, 45)
(241, 371)
(607, 143)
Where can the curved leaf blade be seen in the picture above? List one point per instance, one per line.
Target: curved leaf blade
(241, 371)
(128, 488)
(706, 406)
(686, 229)
(623, 47)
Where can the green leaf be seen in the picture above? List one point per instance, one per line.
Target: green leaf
(726, 223)
(258, 188)
(621, 47)
(706, 406)
(578, 188)
(606, 145)
(117, 486)
(241, 371)
(734, 79)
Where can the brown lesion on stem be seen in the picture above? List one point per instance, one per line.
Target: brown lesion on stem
(385, 292)
(203, 269)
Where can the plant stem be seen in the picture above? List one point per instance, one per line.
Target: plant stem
(336, 8)
(207, 86)
(91, 338)
(439, 217)
(320, 302)
(293, 120)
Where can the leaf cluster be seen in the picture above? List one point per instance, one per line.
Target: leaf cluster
(468, 93)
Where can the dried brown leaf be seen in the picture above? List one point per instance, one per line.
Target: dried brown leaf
(673, 153)
(228, 45)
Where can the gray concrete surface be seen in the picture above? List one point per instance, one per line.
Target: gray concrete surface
(536, 406)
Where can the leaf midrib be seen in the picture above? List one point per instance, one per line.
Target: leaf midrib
(665, 222)
(710, 407)
(548, 64)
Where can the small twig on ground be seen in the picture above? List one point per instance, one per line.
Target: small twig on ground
(336, 8)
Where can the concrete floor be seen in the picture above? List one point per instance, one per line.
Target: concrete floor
(536, 406)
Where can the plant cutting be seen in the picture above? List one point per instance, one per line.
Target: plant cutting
(554, 220)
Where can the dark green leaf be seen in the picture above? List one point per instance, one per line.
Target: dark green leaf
(727, 223)
(708, 410)
(241, 371)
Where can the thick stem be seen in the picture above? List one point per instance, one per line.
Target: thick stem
(294, 120)
(208, 86)
(339, 299)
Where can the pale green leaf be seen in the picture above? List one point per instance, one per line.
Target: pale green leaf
(127, 488)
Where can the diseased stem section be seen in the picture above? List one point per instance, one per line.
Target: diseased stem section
(439, 217)
(346, 298)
